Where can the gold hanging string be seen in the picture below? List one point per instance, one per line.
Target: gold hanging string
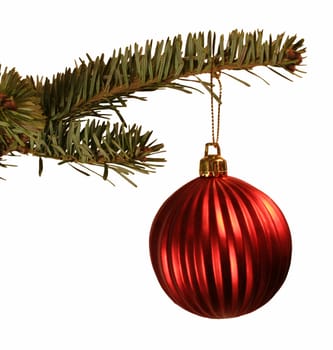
(216, 75)
(213, 165)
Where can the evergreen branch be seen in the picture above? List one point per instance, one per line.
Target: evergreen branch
(21, 117)
(121, 149)
(99, 85)
(52, 117)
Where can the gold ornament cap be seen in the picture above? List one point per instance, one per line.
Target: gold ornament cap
(212, 165)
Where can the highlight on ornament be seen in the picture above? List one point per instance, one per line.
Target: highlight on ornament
(220, 247)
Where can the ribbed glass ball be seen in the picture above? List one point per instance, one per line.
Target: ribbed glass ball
(220, 247)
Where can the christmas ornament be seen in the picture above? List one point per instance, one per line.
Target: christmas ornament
(219, 247)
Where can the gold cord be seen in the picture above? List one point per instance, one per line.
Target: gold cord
(216, 75)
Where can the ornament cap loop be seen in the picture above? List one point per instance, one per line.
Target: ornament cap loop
(212, 165)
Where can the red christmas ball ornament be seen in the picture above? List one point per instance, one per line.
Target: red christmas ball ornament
(220, 247)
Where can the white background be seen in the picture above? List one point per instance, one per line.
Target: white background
(75, 271)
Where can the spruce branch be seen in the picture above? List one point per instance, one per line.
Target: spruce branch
(21, 117)
(67, 117)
